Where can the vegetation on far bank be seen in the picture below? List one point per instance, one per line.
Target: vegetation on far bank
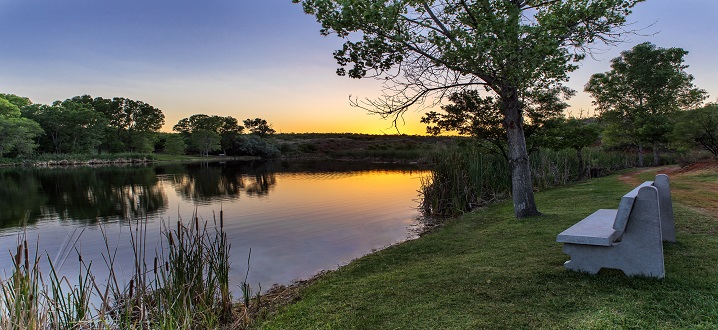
(489, 270)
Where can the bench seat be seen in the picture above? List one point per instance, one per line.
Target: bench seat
(596, 229)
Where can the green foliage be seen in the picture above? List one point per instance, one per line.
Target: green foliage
(128, 120)
(205, 141)
(562, 133)
(259, 127)
(227, 128)
(698, 127)
(517, 52)
(253, 145)
(646, 86)
(17, 135)
(174, 145)
(8, 109)
(18, 101)
(69, 127)
(481, 117)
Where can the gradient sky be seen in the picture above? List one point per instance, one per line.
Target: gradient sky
(252, 58)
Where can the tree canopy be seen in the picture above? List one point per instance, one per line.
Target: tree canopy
(638, 96)
(699, 127)
(259, 126)
(513, 50)
(17, 134)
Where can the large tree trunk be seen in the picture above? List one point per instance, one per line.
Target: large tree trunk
(521, 184)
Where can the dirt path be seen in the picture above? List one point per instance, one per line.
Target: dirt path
(695, 185)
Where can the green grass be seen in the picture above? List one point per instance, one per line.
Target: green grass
(489, 270)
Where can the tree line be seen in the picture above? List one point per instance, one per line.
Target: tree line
(87, 125)
(645, 102)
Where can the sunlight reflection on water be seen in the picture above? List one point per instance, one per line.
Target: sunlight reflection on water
(297, 221)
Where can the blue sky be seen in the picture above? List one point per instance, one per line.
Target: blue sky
(245, 58)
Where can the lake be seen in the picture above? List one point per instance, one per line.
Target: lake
(297, 217)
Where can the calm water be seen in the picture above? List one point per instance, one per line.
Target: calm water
(298, 218)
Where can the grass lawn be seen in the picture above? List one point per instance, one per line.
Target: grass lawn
(489, 270)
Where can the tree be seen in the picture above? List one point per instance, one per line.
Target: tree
(131, 120)
(17, 134)
(227, 128)
(470, 114)
(174, 144)
(645, 87)
(205, 141)
(259, 127)
(69, 127)
(510, 49)
(562, 133)
(699, 127)
(19, 101)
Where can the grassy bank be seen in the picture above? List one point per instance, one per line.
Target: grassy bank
(489, 270)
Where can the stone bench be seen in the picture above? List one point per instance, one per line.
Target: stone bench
(629, 238)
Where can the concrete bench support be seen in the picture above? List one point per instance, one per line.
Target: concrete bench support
(629, 238)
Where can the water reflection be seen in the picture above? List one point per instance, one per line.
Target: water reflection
(204, 183)
(81, 194)
(297, 217)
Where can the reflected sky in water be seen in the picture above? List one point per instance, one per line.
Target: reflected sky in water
(298, 218)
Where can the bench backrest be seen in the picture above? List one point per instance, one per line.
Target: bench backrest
(625, 207)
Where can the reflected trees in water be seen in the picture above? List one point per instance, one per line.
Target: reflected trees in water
(83, 193)
(208, 182)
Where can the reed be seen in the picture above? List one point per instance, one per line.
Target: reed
(464, 178)
(184, 284)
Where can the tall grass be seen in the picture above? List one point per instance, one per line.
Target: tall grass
(185, 285)
(465, 178)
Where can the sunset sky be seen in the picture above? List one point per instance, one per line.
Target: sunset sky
(245, 58)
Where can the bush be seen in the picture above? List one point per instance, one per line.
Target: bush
(253, 145)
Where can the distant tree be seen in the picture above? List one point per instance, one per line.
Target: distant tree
(227, 128)
(17, 134)
(259, 127)
(471, 114)
(8, 109)
(174, 144)
(510, 49)
(69, 127)
(205, 141)
(131, 121)
(699, 127)
(253, 145)
(577, 134)
(19, 101)
(646, 86)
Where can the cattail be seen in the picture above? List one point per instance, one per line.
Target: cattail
(18, 256)
(221, 219)
(132, 286)
(27, 260)
(155, 268)
(170, 238)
